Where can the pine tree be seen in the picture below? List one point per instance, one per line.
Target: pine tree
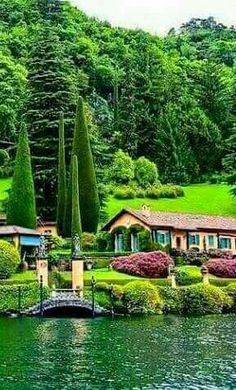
(21, 206)
(61, 193)
(51, 91)
(75, 212)
(89, 200)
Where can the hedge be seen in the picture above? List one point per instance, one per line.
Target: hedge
(30, 296)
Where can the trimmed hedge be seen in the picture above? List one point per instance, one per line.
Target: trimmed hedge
(142, 297)
(30, 296)
(204, 299)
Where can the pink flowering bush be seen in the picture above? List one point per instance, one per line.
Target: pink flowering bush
(222, 268)
(148, 264)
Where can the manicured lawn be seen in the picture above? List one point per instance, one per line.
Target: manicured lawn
(212, 199)
(28, 275)
(5, 185)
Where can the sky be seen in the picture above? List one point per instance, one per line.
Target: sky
(158, 16)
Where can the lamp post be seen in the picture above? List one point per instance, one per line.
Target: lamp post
(93, 285)
(41, 295)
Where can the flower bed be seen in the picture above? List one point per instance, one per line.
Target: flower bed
(149, 265)
(222, 268)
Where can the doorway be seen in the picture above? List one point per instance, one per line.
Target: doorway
(178, 242)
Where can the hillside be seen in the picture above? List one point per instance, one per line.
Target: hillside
(199, 199)
(170, 99)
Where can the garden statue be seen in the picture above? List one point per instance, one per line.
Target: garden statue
(42, 248)
(76, 246)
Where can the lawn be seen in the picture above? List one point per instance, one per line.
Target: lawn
(5, 185)
(212, 199)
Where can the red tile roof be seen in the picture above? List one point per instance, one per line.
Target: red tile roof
(179, 221)
(13, 230)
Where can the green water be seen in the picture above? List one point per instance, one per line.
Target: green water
(163, 352)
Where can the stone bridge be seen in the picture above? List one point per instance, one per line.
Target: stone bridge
(66, 304)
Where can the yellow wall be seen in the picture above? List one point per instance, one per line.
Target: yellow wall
(126, 220)
(48, 229)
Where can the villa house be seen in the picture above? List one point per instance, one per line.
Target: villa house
(180, 231)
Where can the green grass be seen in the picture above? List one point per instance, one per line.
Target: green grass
(5, 185)
(28, 275)
(212, 199)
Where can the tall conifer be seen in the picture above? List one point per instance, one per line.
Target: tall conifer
(21, 206)
(61, 194)
(76, 219)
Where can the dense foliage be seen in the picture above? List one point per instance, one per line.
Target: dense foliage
(9, 259)
(222, 268)
(142, 297)
(151, 264)
(75, 215)
(21, 206)
(171, 99)
(204, 299)
(30, 296)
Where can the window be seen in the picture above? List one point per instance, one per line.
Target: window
(225, 243)
(162, 238)
(194, 239)
(211, 240)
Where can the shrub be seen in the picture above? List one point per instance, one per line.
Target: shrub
(101, 263)
(142, 297)
(219, 254)
(231, 291)
(104, 241)
(145, 172)
(172, 299)
(140, 193)
(189, 257)
(57, 242)
(9, 259)
(124, 193)
(88, 241)
(222, 268)
(168, 192)
(187, 275)
(153, 193)
(204, 299)
(150, 265)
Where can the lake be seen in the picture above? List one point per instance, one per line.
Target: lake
(160, 352)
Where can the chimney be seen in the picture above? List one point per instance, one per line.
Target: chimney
(146, 211)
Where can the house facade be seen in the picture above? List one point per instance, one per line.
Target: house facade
(180, 231)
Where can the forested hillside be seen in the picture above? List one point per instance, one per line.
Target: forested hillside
(172, 99)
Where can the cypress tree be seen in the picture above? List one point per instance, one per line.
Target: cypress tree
(21, 206)
(75, 212)
(61, 195)
(88, 194)
(89, 200)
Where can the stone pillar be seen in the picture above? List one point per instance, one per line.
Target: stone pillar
(42, 270)
(205, 275)
(78, 274)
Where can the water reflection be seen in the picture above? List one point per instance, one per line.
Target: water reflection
(164, 352)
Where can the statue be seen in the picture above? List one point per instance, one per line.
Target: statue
(42, 248)
(76, 246)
